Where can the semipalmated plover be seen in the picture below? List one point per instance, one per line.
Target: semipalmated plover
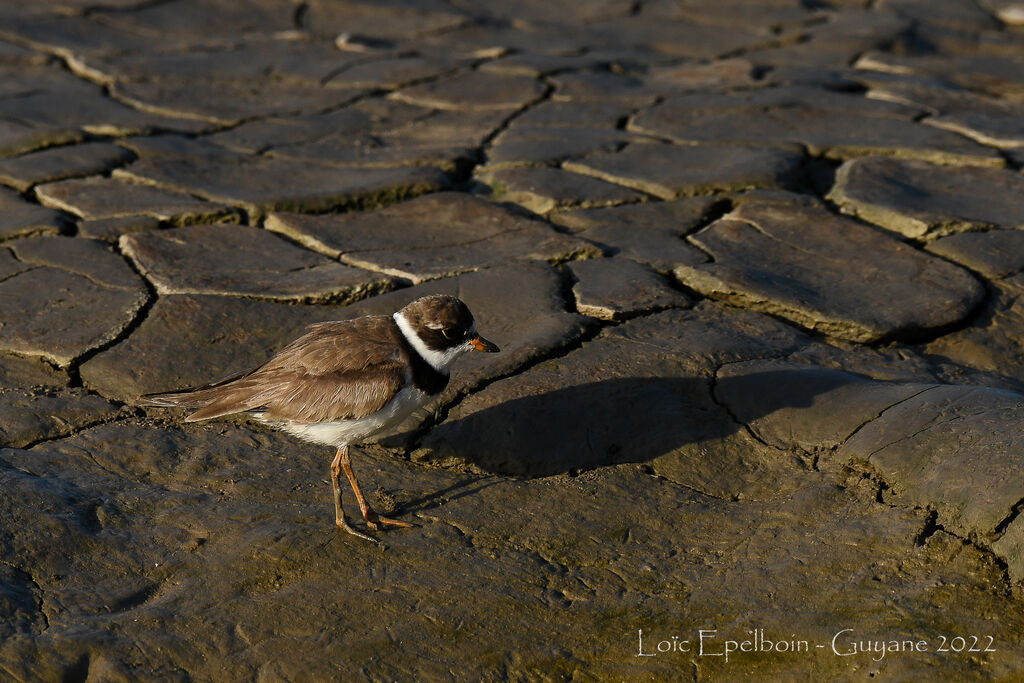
(346, 381)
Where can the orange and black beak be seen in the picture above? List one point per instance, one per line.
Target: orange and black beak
(481, 344)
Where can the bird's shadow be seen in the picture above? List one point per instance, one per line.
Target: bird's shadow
(623, 420)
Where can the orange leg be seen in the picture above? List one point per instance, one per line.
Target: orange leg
(373, 520)
(339, 513)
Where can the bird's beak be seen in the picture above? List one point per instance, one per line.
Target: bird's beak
(481, 344)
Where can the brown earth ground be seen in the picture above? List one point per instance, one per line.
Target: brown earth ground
(756, 268)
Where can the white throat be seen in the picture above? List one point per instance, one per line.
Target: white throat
(439, 360)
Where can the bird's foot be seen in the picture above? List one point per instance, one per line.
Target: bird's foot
(343, 524)
(375, 521)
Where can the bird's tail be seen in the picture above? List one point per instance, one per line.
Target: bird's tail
(188, 398)
(220, 398)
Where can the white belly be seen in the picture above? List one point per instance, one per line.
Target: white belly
(341, 432)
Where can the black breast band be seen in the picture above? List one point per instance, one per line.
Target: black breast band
(426, 378)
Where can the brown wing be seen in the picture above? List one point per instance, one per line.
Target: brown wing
(339, 370)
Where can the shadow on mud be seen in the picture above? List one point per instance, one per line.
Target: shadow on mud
(620, 420)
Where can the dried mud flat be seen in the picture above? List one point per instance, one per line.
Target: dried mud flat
(756, 269)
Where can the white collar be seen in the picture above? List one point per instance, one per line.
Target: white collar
(439, 360)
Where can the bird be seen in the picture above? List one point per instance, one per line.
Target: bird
(346, 381)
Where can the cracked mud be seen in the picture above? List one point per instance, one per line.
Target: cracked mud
(756, 270)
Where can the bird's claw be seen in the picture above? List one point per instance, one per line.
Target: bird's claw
(343, 525)
(375, 521)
